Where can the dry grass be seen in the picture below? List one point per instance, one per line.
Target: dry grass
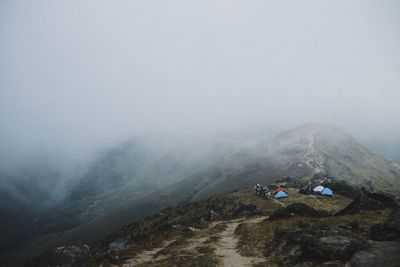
(258, 238)
(330, 204)
(254, 239)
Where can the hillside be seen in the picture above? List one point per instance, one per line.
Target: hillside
(206, 241)
(243, 229)
(302, 152)
(137, 179)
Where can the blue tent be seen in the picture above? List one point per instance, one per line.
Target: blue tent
(281, 194)
(327, 192)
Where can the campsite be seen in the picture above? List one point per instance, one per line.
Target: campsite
(278, 190)
(292, 195)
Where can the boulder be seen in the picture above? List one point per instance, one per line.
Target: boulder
(317, 245)
(388, 200)
(361, 203)
(351, 226)
(389, 229)
(65, 256)
(363, 259)
(247, 209)
(212, 215)
(306, 190)
(119, 244)
(384, 253)
(331, 247)
(296, 209)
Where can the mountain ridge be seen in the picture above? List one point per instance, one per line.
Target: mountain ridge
(300, 152)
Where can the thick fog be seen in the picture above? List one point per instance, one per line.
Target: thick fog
(79, 76)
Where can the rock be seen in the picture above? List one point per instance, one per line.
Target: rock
(364, 258)
(212, 215)
(247, 209)
(350, 226)
(192, 229)
(389, 229)
(296, 209)
(65, 256)
(119, 244)
(317, 245)
(388, 200)
(384, 253)
(176, 226)
(360, 203)
(305, 190)
(370, 201)
(332, 247)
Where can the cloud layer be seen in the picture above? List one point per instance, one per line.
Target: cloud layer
(76, 76)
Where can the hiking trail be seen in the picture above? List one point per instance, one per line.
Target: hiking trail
(313, 159)
(226, 246)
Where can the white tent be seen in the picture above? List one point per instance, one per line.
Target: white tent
(318, 189)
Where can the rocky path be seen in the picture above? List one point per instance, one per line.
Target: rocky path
(312, 159)
(226, 246)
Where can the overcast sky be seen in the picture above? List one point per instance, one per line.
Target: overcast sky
(78, 75)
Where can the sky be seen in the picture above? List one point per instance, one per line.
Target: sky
(77, 76)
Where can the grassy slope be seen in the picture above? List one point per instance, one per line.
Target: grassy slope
(253, 239)
(258, 238)
(276, 158)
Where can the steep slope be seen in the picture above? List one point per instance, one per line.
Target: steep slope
(300, 153)
(338, 154)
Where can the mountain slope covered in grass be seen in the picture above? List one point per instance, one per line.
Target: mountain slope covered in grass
(139, 178)
(243, 229)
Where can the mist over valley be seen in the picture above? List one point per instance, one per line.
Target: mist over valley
(138, 133)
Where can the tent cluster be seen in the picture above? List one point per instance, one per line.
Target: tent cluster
(279, 192)
(323, 191)
(318, 190)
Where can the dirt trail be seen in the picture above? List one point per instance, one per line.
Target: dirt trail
(193, 243)
(189, 249)
(226, 246)
(316, 165)
(147, 255)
